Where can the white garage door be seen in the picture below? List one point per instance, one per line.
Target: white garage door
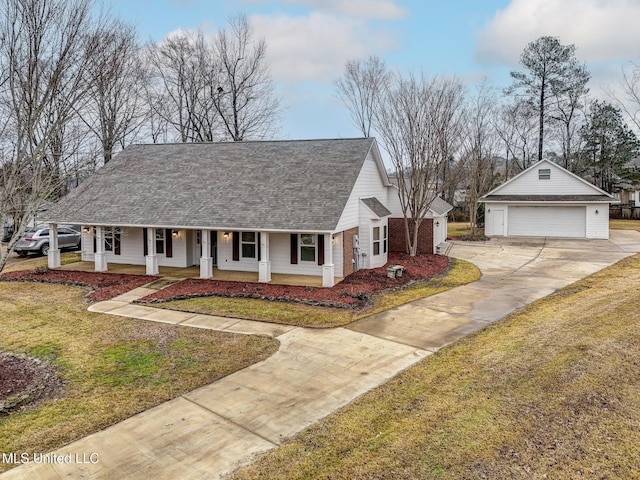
(547, 221)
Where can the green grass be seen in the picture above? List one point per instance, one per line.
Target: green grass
(460, 273)
(549, 392)
(112, 367)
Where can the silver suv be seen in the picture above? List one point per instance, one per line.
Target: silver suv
(36, 240)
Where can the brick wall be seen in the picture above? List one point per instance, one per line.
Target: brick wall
(397, 241)
(347, 249)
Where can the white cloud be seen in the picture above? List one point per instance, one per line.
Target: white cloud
(602, 30)
(316, 46)
(380, 9)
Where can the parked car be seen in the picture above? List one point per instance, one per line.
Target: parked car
(36, 240)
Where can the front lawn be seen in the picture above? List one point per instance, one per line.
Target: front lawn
(299, 314)
(619, 224)
(551, 391)
(110, 367)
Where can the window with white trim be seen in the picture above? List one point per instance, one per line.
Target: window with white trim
(307, 247)
(379, 240)
(544, 174)
(248, 244)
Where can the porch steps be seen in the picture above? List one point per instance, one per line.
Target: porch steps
(148, 289)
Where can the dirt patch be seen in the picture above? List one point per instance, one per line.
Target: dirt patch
(104, 286)
(24, 382)
(355, 291)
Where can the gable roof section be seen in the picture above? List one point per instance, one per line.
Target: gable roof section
(270, 185)
(568, 187)
(376, 207)
(440, 207)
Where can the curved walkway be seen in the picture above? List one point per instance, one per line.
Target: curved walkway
(207, 433)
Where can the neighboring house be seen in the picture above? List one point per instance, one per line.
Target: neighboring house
(309, 207)
(547, 201)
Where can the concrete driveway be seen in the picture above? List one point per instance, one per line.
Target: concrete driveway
(207, 433)
(515, 272)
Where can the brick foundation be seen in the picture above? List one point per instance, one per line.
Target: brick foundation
(397, 241)
(347, 250)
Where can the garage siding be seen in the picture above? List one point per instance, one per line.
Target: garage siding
(547, 221)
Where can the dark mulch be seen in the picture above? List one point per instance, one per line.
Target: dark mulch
(353, 292)
(104, 286)
(469, 238)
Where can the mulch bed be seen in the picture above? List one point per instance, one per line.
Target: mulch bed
(104, 286)
(354, 291)
(24, 381)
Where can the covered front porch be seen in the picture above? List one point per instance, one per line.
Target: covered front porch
(257, 256)
(194, 272)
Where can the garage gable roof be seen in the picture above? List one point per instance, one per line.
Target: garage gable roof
(547, 181)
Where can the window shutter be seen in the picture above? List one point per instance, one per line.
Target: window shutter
(294, 248)
(258, 239)
(168, 243)
(320, 243)
(235, 239)
(93, 234)
(145, 234)
(116, 240)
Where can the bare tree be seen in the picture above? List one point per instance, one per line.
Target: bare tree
(212, 88)
(630, 101)
(115, 108)
(420, 121)
(178, 90)
(360, 88)
(480, 148)
(43, 60)
(517, 130)
(244, 95)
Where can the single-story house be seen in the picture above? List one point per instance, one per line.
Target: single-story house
(547, 200)
(308, 207)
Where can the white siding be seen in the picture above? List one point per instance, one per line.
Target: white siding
(598, 223)
(280, 252)
(369, 184)
(560, 183)
(439, 230)
(225, 255)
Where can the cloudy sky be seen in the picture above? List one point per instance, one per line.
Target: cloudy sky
(310, 40)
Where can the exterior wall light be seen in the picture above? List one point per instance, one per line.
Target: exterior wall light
(596, 212)
(174, 233)
(225, 235)
(437, 223)
(86, 229)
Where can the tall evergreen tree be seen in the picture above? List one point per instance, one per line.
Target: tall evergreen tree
(552, 83)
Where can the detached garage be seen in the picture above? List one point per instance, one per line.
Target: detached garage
(547, 201)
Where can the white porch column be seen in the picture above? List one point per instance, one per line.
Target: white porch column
(264, 265)
(100, 257)
(328, 270)
(53, 257)
(206, 262)
(151, 258)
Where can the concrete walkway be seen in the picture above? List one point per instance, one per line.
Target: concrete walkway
(207, 433)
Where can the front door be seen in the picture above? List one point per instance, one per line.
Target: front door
(198, 247)
(498, 223)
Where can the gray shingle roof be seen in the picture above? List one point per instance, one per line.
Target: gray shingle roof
(376, 207)
(547, 198)
(279, 185)
(440, 206)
